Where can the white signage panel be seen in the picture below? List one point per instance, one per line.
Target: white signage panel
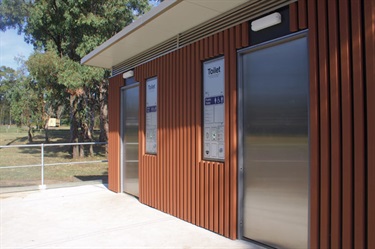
(151, 115)
(213, 109)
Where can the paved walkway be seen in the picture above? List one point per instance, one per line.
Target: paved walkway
(94, 217)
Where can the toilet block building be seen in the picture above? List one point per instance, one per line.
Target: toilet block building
(253, 119)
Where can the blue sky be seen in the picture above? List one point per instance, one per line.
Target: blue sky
(12, 45)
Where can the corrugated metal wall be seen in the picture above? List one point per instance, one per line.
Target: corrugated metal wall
(342, 128)
(342, 109)
(177, 180)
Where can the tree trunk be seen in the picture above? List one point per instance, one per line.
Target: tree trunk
(74, 125)
(90, 131)
(46, 132)
(30, 134)
(103, 100)
(82, 135)
(91, 148)
(82, 151)
(103, 113)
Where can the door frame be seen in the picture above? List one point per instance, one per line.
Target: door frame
(122, 133)
(240, 125)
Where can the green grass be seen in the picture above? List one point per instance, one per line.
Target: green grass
(57, 154)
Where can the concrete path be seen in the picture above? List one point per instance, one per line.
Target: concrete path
(94, 217)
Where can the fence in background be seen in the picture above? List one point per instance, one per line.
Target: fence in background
(13, 178)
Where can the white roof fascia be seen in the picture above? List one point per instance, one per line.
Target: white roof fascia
(161, 23)
(154, 12)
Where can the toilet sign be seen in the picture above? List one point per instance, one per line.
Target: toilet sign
(151, 115)
(213, 110)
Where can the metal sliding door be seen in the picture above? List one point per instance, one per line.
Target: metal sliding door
(274, 164)
(129, 143)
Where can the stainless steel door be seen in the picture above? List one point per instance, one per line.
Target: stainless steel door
(275, 143)
(130, 123)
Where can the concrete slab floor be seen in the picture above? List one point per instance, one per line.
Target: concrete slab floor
(94, 217)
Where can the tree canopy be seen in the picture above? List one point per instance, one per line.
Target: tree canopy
(75, 27)
(62, 32)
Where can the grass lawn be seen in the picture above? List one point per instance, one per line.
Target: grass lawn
(56, 154)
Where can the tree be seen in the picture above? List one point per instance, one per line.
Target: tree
(23, 97)
(70, 29)
(44, 69)
(7, 80)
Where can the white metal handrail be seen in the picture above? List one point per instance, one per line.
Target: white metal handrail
(50, 145)
(42, 164)
(52, 164)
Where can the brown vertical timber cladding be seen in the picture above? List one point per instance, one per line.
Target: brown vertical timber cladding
(160, 145)
(179, 128)
(206, 166)
(173, 126)
(177, 180)
(188, 136)
(325, 160)
(185, 150)
(341, 50)
(161, 132)
(369, 7)
(193, 136)
(245, 37)
(167, 135)
(335, 126)
(359, 128)
(202, 194)
(114, 92)
(293, 17)
(302, 14)
(347, 126)
(221, 199)
(226, 166)
(211, 197)
(155, 167)
(184, 141)
(314, 127)
(222, 187)
(216, 198)
(200, 172)
(341, 37)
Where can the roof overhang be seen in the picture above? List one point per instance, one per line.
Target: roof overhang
(161, 23)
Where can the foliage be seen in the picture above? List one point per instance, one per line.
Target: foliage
(23, 97)
(13, 14)
(77, 27)
(26, 105)
(7, 80)
(44, 69)
(64, 31)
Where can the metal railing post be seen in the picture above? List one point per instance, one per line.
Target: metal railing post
(42, 186)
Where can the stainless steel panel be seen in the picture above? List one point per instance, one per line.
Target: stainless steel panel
(275, 145)
(130, 123)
